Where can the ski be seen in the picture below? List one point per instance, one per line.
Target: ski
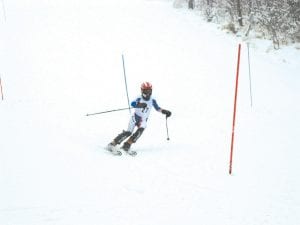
(117, 151)
(113, 150)
(131, 153)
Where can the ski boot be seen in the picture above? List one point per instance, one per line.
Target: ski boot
(126, 147)
(113, 149)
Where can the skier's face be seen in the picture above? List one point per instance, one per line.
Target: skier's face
(146, 93)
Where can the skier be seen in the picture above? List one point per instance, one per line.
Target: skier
(142, 106)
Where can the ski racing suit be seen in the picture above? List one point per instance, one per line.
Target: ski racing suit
(140, 115)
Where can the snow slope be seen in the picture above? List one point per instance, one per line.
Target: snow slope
(60, 60)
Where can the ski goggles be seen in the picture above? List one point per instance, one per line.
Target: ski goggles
(147, 91)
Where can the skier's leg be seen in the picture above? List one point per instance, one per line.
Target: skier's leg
(136, 135)
(122, 136)
(141, 127)
(131, 124)
(133, 138)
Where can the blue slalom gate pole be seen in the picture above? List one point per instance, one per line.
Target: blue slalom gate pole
(249, 71)
(124, 71)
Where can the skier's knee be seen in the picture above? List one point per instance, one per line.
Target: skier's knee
(137, 134)
(127, 133)
(122, 136)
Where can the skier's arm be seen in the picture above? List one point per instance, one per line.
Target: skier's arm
(163, 111)
(156, 106)
(138, 104)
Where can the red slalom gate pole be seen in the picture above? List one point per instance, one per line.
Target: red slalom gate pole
(1, 89)
(234, 109)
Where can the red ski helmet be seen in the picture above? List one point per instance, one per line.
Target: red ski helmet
(146, 89)
(146, 86)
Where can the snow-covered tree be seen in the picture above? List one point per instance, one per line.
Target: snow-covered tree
(278, 20)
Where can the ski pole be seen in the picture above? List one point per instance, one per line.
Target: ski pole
(114, 110)
(168, 138)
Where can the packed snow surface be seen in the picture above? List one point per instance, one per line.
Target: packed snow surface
(60, 60)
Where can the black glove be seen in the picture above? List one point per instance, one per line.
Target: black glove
(141, 105)
(166, 112)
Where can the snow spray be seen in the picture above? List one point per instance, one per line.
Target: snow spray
(234, 109)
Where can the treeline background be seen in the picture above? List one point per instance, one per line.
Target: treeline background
(277, 20)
